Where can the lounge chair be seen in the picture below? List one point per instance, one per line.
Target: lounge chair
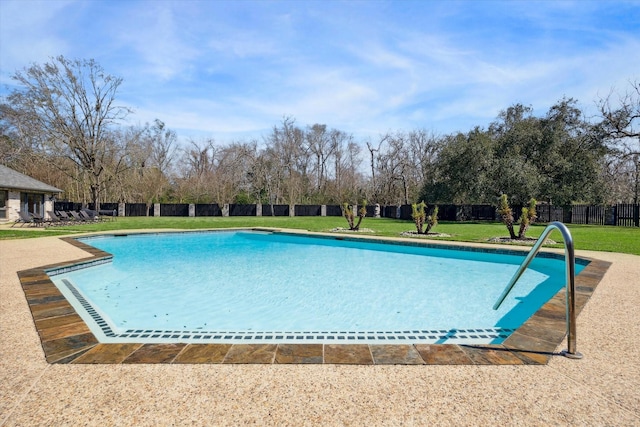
(55, 219)
(88, 215)
(24, 218)
(37, 218)
(65, 217)
(29, 218)
(77, 217)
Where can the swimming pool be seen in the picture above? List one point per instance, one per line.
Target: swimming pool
(268, 287)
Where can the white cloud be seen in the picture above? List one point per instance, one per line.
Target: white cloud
(235, 68)
(243, 45)
(29, 33)
(161, 43)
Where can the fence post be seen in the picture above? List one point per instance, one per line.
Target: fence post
(323, 210)
(156, 209)
(225, 209)
(567, 214)
(258, 209)
(586, 216)
(122, 210)
(192, 210)
(611, 215)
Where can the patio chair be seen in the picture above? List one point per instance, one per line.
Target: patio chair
(91, 215)
(85, 216)
(77, 217)
(55, 219)
(65, 217)
(24, 218)
(37, 218)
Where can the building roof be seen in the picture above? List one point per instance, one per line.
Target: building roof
(16, 180)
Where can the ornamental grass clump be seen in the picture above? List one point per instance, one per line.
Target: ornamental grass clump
(347, 212)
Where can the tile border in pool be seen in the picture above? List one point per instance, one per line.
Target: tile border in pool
(156, 336)
(66, 338)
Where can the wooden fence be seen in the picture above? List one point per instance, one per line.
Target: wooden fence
(626, 215)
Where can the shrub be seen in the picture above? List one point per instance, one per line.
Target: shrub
(506, 214)
(432, 220)
(347, 212)
(419, 215)
(527, 218)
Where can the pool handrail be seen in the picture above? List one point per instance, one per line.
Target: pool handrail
(569, 257)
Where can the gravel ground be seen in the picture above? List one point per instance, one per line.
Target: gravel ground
(601, 389)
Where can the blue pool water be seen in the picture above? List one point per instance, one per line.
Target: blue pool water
(230, 286)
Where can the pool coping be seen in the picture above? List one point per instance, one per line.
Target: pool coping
(66, 339)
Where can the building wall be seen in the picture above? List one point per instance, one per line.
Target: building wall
(13, 206)
(48, 206)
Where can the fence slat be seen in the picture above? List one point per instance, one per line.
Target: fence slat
(627, 215)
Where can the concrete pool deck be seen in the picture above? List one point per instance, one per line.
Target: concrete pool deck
(601, 389)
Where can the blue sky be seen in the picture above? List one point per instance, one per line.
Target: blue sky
(231, 70)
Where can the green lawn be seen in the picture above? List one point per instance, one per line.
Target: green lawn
(587, 237)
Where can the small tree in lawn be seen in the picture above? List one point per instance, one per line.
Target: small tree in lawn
(347, 212)
(506, 214)
(420, 217)
(527, 218)
(432, 220)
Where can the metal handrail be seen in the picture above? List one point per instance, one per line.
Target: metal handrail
(569, 257)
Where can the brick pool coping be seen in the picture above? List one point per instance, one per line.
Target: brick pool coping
(66, 338)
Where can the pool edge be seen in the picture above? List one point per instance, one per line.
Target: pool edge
(65, 338)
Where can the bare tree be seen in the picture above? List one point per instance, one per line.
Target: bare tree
(267, 177)
(14, 150)
(621, 124)
(323, 145)
(286, 145)
(145, 172)
(423, 149)
(197, 165)
(122, 177)
(157, 171)
(344, 182)
(623, 121)
(398, 167)
(374, 195)
(233, 171)
(162, 145)
(68, 106)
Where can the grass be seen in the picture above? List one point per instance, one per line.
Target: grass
(586, 237)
